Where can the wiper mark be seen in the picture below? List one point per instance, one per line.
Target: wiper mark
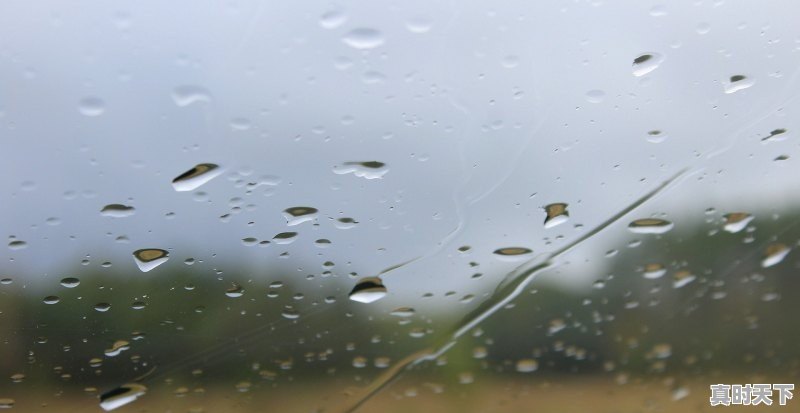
(510, 288)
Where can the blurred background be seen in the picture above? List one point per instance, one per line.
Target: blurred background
(574, 206)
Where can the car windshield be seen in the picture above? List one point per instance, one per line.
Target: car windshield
(455, 206)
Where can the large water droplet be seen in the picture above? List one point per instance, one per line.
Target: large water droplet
(121, 396)
(737, 83)
(150, 258)
(6, 403)
(367, 170)
(367, 290)
(650, 226)
(774, 254)
(17, 245)
(656, 136)
(102, 307)
(195, 177)
(557, 214)
(646, 63)
(775, 135)
(117, 211)
(185, 95)
(235, 291)
(736, 221)
(298, 215)
(284, 238)
(363, 38)
(91, 106)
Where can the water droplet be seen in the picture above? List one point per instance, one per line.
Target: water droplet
(195, 177)
(682, 278)
(235, 291)
(185, 95)
(703, 28)
(419, 24)
(17, 245)
(6, 403)
(363, 38)
(557, 214)
(345, 223)
(138, 305)
(367, 170)
(118, 347)
(51, 299)
(150, 258)
(284, 238)
(298, 215)
(774, 254)
(240, 124)
(6, 281)
(650, 226)
(403, 312)
(368, 290)
(332, 19)
(122, 395)
(736, 221)
(91, 106)
(322, 243)
(70, 282)
(595, 96)
(737, 83)
(117, 211)
(512, 252)
(290, 313)
(527, 365)
(656, 136)
(646, 63)
(654, 270)
(776, 135)
(102, 307)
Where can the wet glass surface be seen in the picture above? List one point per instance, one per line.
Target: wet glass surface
(451, 206)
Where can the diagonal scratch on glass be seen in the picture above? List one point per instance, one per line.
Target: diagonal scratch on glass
(509, 289)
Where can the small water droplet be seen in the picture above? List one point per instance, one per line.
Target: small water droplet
(527, 365)
(186, 95)
(195, 177)
(736, 221)
(650, 226)
(419, 24)
(235, 291)
(332, 19)
(284, 238)
(512, 252)
(345, 223)
(363, 38)
(102, 307)
(656, 136)
(774, 254)
(290, 313)
(368, 290)
(118, 347)
(403, 312)
(595, 96)
(557, 214)
(646, 63)
(51, 299)
(654, 270)
(150, 258)
(737, 83)
(367, 170)
(117, 211)
(91, 106)
(122, 395)
(682, 278)
(298, 215)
